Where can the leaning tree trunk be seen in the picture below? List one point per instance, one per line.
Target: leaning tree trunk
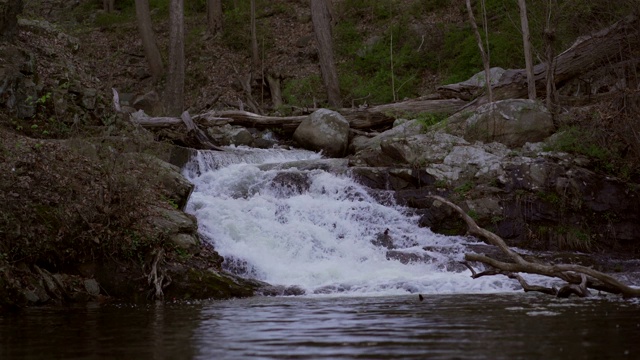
(174, 91)
(151, 52)
(322, 28)
(607, 46)
(483, 53)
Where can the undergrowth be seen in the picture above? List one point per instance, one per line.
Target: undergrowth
(73, 201)
(606, 134)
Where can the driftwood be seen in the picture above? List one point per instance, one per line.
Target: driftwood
(579, 278)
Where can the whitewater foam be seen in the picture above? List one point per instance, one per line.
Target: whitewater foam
(314, 230)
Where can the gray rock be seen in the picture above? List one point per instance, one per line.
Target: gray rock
(185, 241)
(92, 287)
(324, 130)
(511, 122)
(358, 143)
(230, 135)
(31, 296)
(290, 183)
(169, 175)
(172, 221)
(384, 240)
(406, 257)
(240, 137)
(334, 166)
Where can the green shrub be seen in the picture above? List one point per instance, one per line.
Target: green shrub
(366, 70)
(427, 119)
(302, 92)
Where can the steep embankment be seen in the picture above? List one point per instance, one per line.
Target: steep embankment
(97, 212)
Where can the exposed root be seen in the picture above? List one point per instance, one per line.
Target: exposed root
(158, 279)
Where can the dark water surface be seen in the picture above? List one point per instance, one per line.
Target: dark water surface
(499, 326)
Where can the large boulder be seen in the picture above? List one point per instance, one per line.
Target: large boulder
(510, 122)
(325, 131)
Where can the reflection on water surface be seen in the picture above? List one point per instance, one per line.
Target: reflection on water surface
(502, 326)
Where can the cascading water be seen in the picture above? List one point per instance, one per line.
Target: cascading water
(319, 231)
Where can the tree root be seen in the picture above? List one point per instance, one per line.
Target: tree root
(158, 279)
(579, 278)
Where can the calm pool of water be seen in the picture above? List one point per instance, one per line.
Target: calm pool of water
(489, 326)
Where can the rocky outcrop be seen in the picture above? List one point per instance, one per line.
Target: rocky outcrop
(325, 131)
(531, 197)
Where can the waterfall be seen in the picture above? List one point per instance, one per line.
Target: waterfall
(302, 226)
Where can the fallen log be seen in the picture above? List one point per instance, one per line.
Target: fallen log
(578, 277)
(380, 117)
(183, 131)
(288, 124)
(372, 118)
(607, 47)
(196, 138)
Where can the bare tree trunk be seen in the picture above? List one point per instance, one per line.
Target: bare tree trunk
(273, 79)
(322, 28)
(214, 16)
(255, 57)
(174, 92)
(528, 57)
(151, 52)
(108, 5)
(549, 39)
(483, 53)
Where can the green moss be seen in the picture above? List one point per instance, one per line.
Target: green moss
(464, 189)
(427, 119)
(549, 197)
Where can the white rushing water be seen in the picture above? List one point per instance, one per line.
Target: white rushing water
(315, 230)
